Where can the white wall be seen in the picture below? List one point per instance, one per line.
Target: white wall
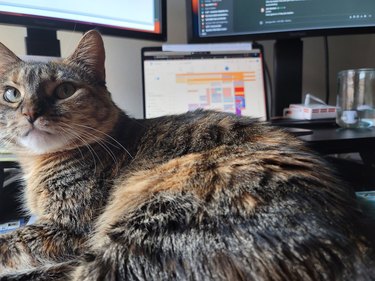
(345, 52)
(124, 57)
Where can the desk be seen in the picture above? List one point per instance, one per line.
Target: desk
(333, 140)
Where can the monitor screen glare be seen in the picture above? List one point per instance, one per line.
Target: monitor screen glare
(118, 14)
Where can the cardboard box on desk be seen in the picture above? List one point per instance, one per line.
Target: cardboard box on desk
(310, 112)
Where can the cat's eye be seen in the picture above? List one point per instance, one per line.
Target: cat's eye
(12, 95)
(65, 91)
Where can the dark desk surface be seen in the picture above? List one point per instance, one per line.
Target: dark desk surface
(334, 140)
(331, 140)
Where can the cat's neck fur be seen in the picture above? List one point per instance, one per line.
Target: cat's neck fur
(47, 174)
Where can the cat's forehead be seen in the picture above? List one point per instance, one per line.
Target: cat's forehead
(36, 72)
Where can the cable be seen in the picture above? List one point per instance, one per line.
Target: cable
(326, 63)
(267, 79)
(268, 87)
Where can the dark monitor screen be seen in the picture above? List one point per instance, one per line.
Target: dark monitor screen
(138, 19)
(287, 21)
(274, 19)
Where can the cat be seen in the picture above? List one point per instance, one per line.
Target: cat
(203, 195)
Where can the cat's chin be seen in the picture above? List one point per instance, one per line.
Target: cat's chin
(40, 142)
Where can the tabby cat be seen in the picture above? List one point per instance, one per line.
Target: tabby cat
(198, 196)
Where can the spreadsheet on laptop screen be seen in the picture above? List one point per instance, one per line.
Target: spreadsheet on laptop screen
(177, 82)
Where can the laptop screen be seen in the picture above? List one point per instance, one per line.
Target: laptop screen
(177, 82)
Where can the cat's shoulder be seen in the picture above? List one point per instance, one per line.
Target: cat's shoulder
(204, 119)
(204, 129)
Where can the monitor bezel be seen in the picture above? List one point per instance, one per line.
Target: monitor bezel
(68, 25)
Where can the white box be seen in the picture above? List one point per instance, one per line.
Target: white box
(310, 112)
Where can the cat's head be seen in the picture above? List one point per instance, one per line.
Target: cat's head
(54, 106)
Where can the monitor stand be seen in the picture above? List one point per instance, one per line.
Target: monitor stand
(42, 42)
(288, 59)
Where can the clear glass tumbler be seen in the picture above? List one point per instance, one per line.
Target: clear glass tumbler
(356, 98)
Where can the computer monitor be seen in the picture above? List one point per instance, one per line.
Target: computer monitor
(286, 21)
(127, 18)
(175, 82)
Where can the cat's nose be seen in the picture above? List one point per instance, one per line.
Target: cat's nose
(30, 114)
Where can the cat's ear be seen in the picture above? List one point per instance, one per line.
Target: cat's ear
(90, 54)
(7, 58)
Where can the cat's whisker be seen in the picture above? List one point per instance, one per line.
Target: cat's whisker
(7, 142)
(109, 151)
(75, 142)
(4, 142)
(77, 136)
(80, 135)
(104, 143)
(107, 135)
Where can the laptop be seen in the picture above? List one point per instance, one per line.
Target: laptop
(175, 82)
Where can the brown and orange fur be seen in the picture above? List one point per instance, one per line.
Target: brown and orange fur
(198, 196)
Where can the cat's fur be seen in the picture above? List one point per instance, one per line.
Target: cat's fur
(197, 196)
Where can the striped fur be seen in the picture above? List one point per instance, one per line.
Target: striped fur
(198, 196)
